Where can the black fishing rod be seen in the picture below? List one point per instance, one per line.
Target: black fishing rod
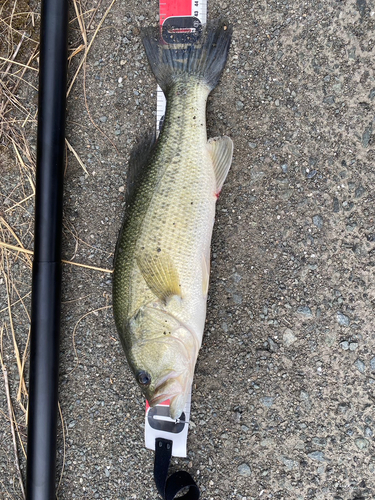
(46, 279)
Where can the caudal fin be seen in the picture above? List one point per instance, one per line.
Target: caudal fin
(203, 59)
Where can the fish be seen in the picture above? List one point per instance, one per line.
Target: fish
(162, 259)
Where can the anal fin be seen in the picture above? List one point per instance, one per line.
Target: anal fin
(221, 151)
(205, 274)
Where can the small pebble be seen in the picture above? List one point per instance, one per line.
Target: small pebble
(304, 396)
(103, 119)
(318, 221)
(237, 298)
(359, 191)
(288, 337)
(252, 145)
(368, 432)
(342, 319)
(336, 205)
(330, 338)
(319, 441)
(317, 455)
(353, 346)
(305, 311)
(239, 105)
(366, 136)
(273, 346)
(236, 417)
(284, 168)
(311, 174)
(359, 364)
(244, 470)
(344, 345)
(372, 364)
(330, 99)
(267, 401)
(362, 443)
(288, 462)
(343, 407)
(351, 53)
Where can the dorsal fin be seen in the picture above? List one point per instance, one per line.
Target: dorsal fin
(137, 161)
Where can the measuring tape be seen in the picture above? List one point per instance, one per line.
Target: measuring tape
(181, 14)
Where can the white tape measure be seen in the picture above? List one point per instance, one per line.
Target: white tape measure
(183, 12)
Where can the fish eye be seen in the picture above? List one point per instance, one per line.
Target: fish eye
(143, 378)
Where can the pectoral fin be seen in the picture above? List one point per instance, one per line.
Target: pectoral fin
(221, 150)
(160, 274)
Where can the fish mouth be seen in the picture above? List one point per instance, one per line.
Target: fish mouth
(160, 398)
(173, 387)
(176, 405)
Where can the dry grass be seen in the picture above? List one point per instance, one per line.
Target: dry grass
(19, 61)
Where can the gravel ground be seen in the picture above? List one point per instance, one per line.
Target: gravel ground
(283, 401)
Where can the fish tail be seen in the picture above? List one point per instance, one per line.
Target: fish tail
(201, 56)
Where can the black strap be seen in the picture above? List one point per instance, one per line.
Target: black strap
(169, 487)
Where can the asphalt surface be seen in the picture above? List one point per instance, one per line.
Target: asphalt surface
(284, 389)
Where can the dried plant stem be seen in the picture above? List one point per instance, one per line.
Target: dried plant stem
(77, 324)
(10, 412)
(16, 302)
(64, 450)
(86, 266)
(16, 350)
(89, 46)
(24, 358)
(21, 248)
(72, 150)
(16, 248)
(17, 63)
(14, 54)
(77, 264)
(81, 22)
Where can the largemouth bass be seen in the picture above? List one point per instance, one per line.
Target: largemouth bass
(162, 261)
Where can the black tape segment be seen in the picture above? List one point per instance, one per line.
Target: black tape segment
(169, 487)
(181, 29)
